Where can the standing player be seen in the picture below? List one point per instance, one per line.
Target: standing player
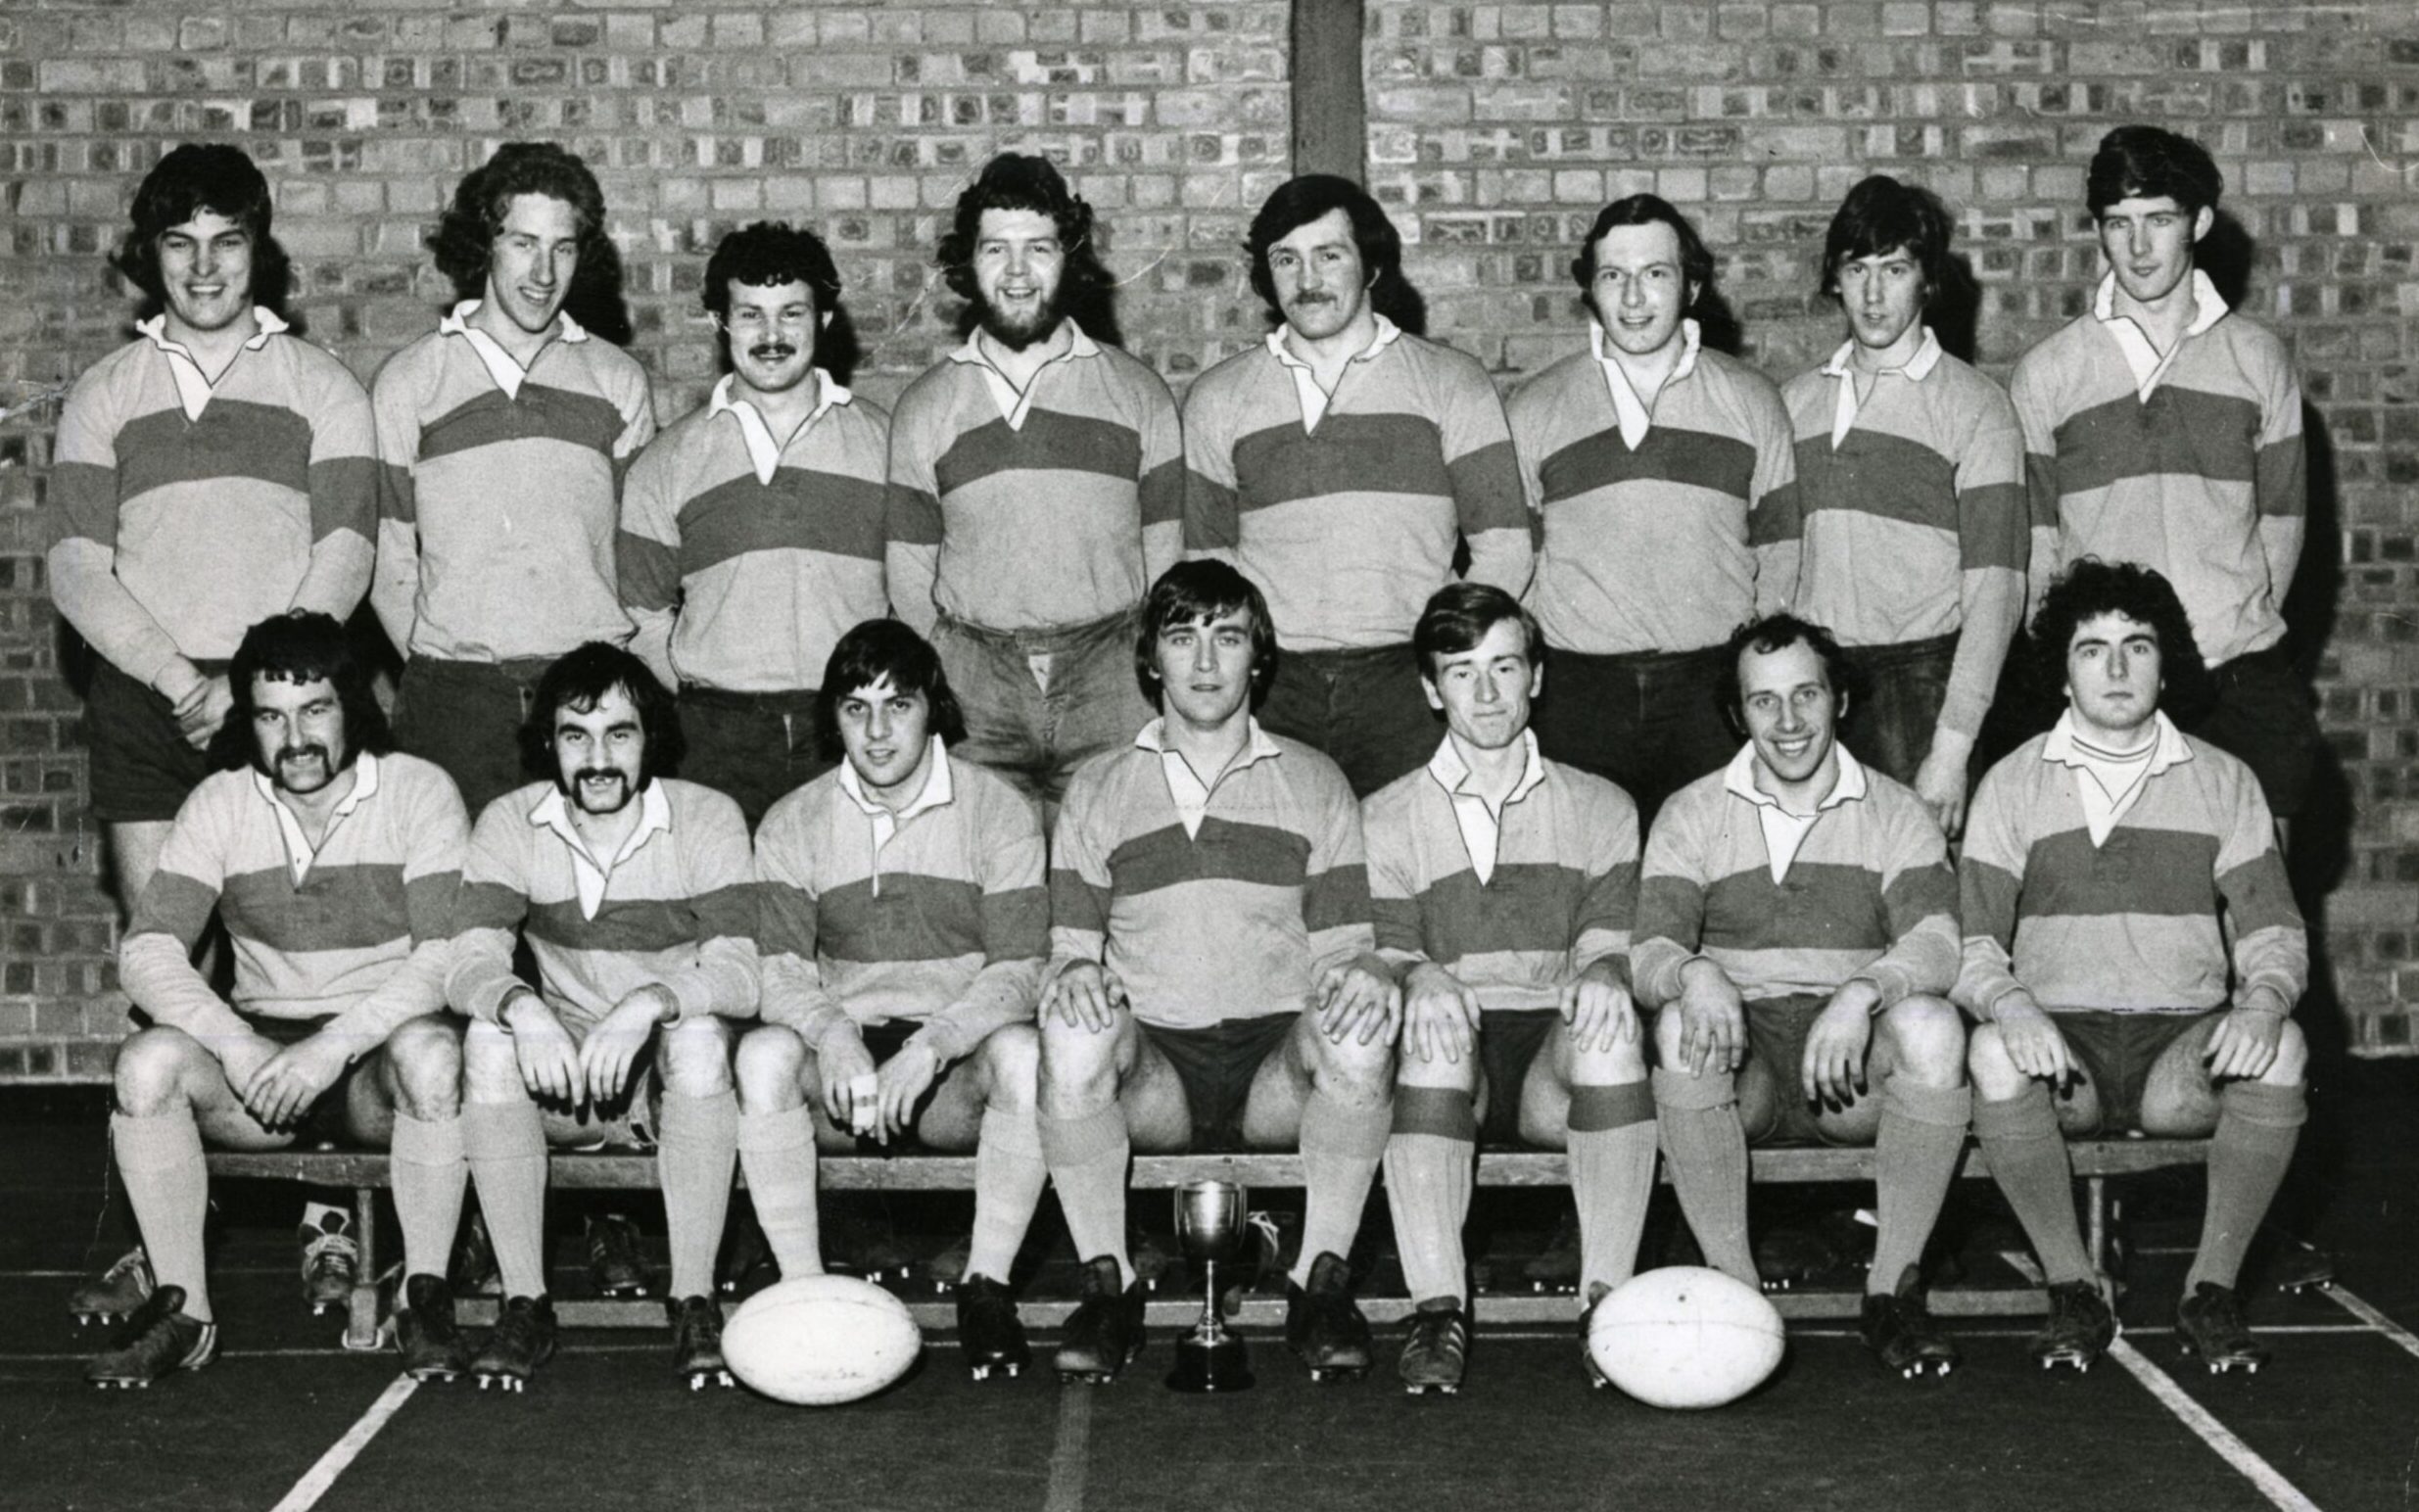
(1796, 915)
(1036, 488)
(1340, 464)
(503, 435)
(2164, 428)
(333, 866)
(904, 929)
(2131, 946)
(1212, 983)
(1911, 493)
(752, 529)
(634, 892)
(212, 472)
(1504, 885)
(1663, 478)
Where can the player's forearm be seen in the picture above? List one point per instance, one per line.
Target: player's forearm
(1990, 604)
(84, 588)
(157, 971)
(339, 574)
(1002, 993)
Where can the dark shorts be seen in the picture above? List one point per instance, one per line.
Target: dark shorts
(1215, 1067)
(1901, 688)
(326, 1121)
(467, 717)
(757, 748)
(142, 769)
(1033, 735)
(1363, 708)
(2116, 1053)
(1776, 1031)
(1650, 722)
(2263, 713)
(1509, 1041)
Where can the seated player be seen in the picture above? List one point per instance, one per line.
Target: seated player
(634, 894)
(1503, 885)
(333, 863)
(1213, 979)
(903, 925)
(1797, 927)
(2134, 955)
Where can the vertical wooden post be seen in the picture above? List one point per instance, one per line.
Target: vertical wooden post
(1330, 117)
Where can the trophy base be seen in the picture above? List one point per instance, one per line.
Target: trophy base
(1205, 1366)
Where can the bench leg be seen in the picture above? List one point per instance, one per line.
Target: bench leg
(363, 1330)
(2096, 1217)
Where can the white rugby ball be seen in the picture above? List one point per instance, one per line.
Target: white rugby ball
(821, 1339)
(1686, 1336)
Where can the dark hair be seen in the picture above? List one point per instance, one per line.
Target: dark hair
(1203, 590)
(578, 679)
(2092, 587)
(1300, 201)
(1022, 181)
(1697, 259)
(300, 645)
(2147, 162)
(1778, 632)
(1883, 216)
(876, 649)
(1458, 617)
(189, 181)
(768, 255)
(466, 235)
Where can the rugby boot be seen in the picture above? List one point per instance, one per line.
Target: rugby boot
(1104, 1334)
(1323, 1326)
(2209, 1324)
(1556, 1268)
(331, 1260)
(522, 1339)
(2080, 1326)
(697, 1340)
(947, 1268)
(857, 1240)
(1439, 1347)
(613, 1267)
(431, 1345)
(988, 1330)
(1587, 1335)
(471, 1269)
(746, 1253)
(157, 1339)
(1899, 1329)
(2303, 1268)
(1788, 1255)
(115, 1293)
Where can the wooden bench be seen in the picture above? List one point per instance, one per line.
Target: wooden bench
(2096, 1163)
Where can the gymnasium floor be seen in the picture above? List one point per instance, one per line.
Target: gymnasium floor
(285, 1419)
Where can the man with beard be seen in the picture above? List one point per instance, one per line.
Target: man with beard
(634, 894)
(1340, 465)
(502, 436)
(333, 865)
(1036, 480)
(752, 529)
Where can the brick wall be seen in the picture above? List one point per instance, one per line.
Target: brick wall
(1496, 131)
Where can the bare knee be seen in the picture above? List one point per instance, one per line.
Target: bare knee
(772, 1069)
(1009, 1061)
(1351, 1071)
(490, 1070)
(1994, 1070)
(424, 1070)
(696, 1057)
(1598, 1067)
(1078, 1067)
(151, 1068)
(1927, 1041)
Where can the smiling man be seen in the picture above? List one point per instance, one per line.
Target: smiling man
(1340, 464)
(2163, 428)
(761, 509)
(1797, 929)
(502, 437)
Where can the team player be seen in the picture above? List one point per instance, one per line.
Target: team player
(1212, 981)
(634, 892)
(1911, 499)
(1503, 885)
(2134, 955)
(1662, 476)
(502, 437)
(752, 529)
(333, 866)
(2163, 428)
(1797, 929)
(1339, 465)
(1036, 488)
(217, 470)
(904, 929)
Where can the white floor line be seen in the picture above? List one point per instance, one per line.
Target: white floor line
(2281, 1492)
(311, 1486)
(2373, 1318)
(1070, 1457)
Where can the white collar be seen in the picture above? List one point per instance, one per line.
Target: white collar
(2147, 365)
(1016, 403)
(1916, 369)
(757, 432)
(1186, 787)
(2101, 809)
(588, 874)
(1636, 418)
(1849, 787)
(299, 853)
(939, 788)
(1313, 398)
(2059, 747)
(500, 364)
(193, 389)
(1482, 827)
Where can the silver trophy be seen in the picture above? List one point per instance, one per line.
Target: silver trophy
(1210, 1225)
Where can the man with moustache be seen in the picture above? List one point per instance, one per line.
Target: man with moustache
(752, 529)
(333, 865)
(2163, 428)
(633, 891)
(1911, 497)
(502, 437)
(1340, 464)
(1035, 486)
(1663, 478)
